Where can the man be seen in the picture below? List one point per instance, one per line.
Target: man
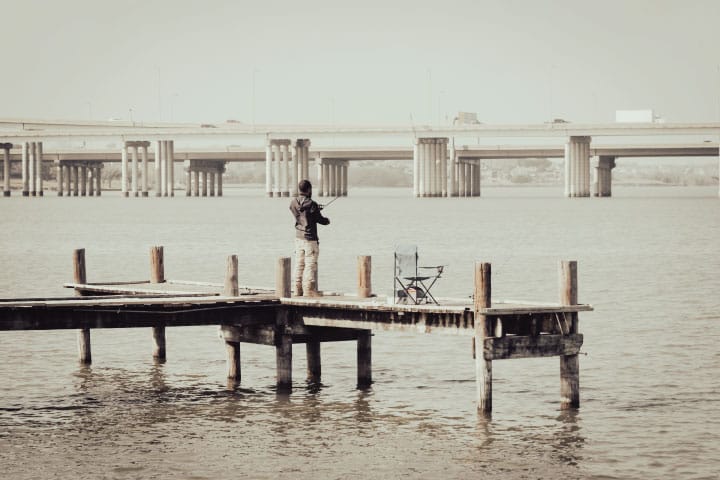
(307, 249)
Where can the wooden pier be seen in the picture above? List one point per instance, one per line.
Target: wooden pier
(274, 317)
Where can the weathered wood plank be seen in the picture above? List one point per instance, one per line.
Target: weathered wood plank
(38, 318)
(510, 347)
(110, 289)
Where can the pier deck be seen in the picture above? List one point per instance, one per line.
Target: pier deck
(273, 317)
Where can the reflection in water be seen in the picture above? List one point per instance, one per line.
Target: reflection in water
(137, 420)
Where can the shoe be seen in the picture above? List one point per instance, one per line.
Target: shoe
(313, 293)
(298, 291)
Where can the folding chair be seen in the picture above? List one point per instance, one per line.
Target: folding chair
(409, 287)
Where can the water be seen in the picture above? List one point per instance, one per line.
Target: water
(650, 393)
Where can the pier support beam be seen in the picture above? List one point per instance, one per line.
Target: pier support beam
(157, 275)
(283, 359)
(83, 335)
(603, 176)
(364, 359)
(569, 364)
(577, 167)
(233, 360)
(483, 366)
(314, 367)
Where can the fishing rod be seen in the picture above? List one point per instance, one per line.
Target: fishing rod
(326, 204)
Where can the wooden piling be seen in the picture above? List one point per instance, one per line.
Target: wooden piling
(157, 275)
(314, 368)
(364, 276)
(233, 360)
(569, 364)
(282, 277)
(364, 359)
(231, 277)
(283, 359)
(83, 335)
(483, 367)
(157, 265)
(283, 345)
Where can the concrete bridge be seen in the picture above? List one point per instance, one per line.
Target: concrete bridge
(440, 167)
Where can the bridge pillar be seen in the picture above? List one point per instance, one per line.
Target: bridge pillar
(25, 171)
(75, 176)
(144, 156)
(31, 167)
(98, 179)
(452, 172)
(91, 181)
(38, 170)
(603, 176)
(171, 167)
(6, 168)
(158, 168)
(577, 167)
(124, 170)
(60, 179)
(344, 169)
(430, 167)
(300, 168)
(134, 170)
(83, 180)
(278, 168)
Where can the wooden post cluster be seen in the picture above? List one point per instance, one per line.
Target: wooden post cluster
(561, 337)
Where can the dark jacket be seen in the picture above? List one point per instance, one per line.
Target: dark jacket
(307, 216)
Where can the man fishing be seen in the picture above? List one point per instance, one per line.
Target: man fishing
(307, 246)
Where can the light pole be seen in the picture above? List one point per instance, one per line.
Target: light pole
(253, 97)
(172, 106)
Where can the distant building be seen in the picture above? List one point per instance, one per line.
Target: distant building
(467, 118)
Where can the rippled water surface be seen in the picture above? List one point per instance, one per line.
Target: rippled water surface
(650, 391)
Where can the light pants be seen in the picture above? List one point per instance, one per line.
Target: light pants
(306, 264)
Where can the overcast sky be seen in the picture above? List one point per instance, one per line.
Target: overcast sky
(380, 62)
